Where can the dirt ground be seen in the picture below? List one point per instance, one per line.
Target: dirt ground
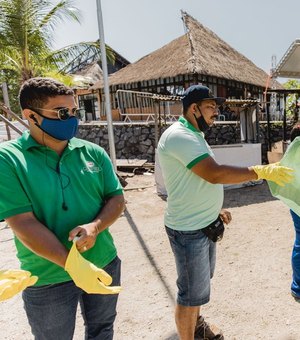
(250, 290)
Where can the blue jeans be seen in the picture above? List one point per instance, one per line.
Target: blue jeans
(51, 309)
(296, 256)
(195, 257)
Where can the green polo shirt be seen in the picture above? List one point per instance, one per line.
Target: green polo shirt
(193, 203)
(35, 178)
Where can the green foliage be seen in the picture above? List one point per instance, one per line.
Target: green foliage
(291, 100)
(27, 32)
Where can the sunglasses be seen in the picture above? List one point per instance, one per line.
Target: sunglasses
(63, 113)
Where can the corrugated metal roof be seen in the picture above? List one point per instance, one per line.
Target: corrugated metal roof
(289, 65)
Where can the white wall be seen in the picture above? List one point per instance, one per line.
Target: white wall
(238, 154)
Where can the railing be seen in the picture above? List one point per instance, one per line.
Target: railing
(148, 107)
(18, 125)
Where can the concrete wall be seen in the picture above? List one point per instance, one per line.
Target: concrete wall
(245, 154)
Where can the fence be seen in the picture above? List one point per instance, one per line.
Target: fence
(149, 107)
(10, 129)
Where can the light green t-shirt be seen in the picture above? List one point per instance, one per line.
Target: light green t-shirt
(30, 181)
(193, 203)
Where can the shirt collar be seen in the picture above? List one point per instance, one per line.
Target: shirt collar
(188, 125)
(75, 143)
(29, 142)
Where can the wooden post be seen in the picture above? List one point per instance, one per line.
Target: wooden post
(268, 127)
(6, 102)
(5, 95)
(284, 119)
(257, 123)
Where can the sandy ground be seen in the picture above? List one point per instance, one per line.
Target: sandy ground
(250, 291)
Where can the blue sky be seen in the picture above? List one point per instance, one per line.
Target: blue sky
(134, 28)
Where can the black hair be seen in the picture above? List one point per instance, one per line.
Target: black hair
(35, 92)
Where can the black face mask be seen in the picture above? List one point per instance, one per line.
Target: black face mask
(201, 122)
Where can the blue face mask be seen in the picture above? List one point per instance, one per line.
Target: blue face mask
(60, 129)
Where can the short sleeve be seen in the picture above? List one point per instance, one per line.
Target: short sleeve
(112, 185)
(13, 199)
(187, 147)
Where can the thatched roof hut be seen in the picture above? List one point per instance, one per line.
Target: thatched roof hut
(89, 74)
(168, 61)
(197, 56)
(211, 55)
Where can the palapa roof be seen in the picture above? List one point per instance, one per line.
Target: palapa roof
(168, 61)
(199, 51)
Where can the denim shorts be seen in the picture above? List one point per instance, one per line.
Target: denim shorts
(51, 309)
(195, 257)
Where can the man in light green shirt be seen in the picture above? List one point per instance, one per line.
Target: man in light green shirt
(193, 217)
(180, 148)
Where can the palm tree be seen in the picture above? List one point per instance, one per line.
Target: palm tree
(292, 100)
(27, 30)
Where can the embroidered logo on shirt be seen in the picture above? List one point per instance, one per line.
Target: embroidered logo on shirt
(90, 167)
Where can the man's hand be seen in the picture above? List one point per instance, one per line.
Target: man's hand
(274, 172)
(14, 281)
(225, 216)
(85, 236)
(87, 276)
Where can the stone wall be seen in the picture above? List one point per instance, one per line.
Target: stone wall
(138, 141)
(131, 141)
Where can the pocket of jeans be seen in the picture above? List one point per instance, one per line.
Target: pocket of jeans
(49, 286)
(171, 233)
(190, 234)
(37, 288)
(114, 270)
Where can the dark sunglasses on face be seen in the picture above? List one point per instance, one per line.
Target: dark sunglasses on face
(63, 113)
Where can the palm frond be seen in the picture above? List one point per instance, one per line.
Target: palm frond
(79, 52)
(64, 10)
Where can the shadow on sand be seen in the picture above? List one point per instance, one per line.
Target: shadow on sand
(252, 194)
(256, 194)
(147, 251)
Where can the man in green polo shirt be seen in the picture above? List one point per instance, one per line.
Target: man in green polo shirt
(193, 218)
(56, 189)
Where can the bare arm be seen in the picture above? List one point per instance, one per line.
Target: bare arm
(38, 238)
(112, 209)
(214, 173)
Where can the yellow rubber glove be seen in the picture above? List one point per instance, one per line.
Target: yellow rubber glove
(14, 281)
(275, 173)
(87, 276)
